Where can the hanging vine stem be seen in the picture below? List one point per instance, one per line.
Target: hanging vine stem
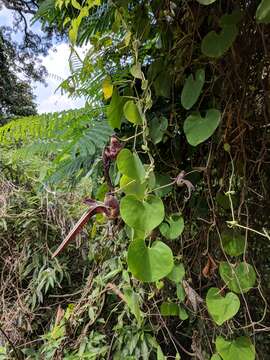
(234, 223)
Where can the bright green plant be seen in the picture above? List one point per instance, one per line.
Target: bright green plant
(182, 85)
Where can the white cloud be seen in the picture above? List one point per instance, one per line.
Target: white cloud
(58, 102)
(56, 63)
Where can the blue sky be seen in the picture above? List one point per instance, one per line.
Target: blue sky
(57, 66)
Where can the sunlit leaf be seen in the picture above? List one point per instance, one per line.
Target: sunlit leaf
(240, 348)
(221, 308)
(132, 113)
(149, 264)
(129, 164)
(142, 215)
(177, 274)
(107, 88)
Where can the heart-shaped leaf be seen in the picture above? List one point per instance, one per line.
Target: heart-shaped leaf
(149, 264)
(132, 113)
(192, 89)
(206, 2)
(240, 278)
(136, 71)
(221, 308)
(198, 129)
(129, 164)
(157, 128)
(131, 186)
(142, 215)
(233, 242)
(173, 227)
(238, 349)
(215, 45)
(263, 12)
(115, 110)
(177, 273)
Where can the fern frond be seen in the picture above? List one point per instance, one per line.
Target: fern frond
(72, 139)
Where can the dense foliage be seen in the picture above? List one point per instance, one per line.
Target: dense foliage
(16, 97)
(20, 63)
(176, 263)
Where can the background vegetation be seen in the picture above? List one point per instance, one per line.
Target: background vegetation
(175, 132)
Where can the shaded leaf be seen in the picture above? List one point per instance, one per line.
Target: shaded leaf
(192, 89)
(239, 278)
(198, 129)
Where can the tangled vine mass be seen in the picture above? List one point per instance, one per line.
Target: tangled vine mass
(167, 170)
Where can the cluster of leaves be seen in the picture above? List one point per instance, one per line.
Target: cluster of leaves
(184, 87)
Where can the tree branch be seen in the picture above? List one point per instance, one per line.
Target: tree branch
(17, 7)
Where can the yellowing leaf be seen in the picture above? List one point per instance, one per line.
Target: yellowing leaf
(107, 88)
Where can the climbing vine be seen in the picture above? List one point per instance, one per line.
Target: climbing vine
(185, 88)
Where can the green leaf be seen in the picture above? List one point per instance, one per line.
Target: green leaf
(129, 164)
(183, 315)
(142, 215)
(177, 273)
(173, 227)
(131, 186)
(240, 348)
(221, 308)
(157, 128)
(132, 300)
(162, 84)
(75, 4)
(206, 2)
(132, 113)
(240, 278)
(215, 357)
(233, 242)
(115, 110)
(160, 355)
(263, 12)
(136, 71)
(162, 180)
(192, 89)
(180, 292)
(149, 264)
(215, 45)
(169, 309)
(172, 309)
(198, 129)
